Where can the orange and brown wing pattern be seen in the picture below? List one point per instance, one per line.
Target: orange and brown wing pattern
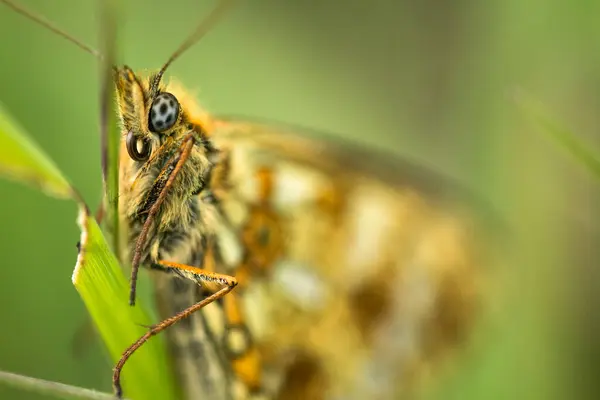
(356, 272)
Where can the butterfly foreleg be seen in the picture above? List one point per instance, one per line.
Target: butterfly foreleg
(218, 284)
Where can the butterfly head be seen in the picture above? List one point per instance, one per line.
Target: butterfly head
(158, 122)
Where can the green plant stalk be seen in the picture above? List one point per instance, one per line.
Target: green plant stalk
(58, 390)
(109, 132)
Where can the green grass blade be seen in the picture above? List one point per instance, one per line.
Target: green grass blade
(21, 159)
(561, 136)
(100, 281)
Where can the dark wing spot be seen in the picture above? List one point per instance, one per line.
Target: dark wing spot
(454, 314)
(171, 103)
(163, 109)
(371, 302)
(169, 120)
(263, 236)
(305, 378)
(153, 114)
(158, 124)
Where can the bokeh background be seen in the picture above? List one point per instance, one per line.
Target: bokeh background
(429, 80)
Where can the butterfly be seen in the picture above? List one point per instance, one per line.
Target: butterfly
(287, 265)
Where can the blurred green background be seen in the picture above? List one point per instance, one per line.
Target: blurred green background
(428, 80)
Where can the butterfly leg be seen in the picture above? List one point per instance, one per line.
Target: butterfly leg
(219, 284)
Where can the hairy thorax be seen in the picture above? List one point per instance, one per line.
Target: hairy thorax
(181, 215)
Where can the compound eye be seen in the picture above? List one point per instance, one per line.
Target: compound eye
(139, 148)
(163, 113)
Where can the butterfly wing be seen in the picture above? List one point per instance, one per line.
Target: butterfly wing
(357, 270)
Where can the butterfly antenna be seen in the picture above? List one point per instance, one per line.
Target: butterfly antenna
(48, 25)
(202, 29)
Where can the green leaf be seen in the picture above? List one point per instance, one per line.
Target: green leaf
(21, 159)
(100, 281)
(559, 135)
(97, 277)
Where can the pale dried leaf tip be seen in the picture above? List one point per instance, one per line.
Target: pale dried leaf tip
(82, 221)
